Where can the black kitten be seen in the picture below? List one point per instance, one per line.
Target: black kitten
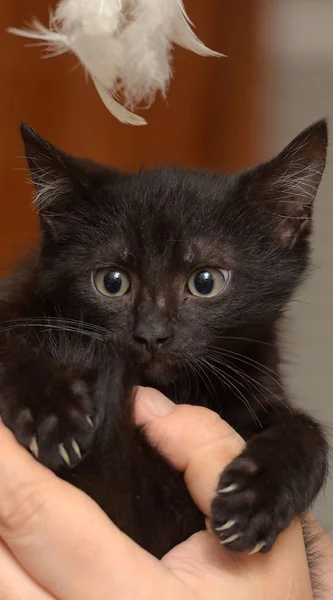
(174, 279)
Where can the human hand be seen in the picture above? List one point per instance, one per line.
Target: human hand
(58, 544)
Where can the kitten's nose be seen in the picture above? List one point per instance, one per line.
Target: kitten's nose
(152, 337)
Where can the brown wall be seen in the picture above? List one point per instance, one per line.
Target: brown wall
(210, 118)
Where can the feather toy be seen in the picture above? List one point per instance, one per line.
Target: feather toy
(124, 45)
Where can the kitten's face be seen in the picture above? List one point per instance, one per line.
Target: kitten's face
(175, 264)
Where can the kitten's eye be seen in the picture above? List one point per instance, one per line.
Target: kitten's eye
(112, 282)
(208, 282)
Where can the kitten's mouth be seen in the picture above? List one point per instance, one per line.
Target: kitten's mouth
(156, 365)
(156, 369)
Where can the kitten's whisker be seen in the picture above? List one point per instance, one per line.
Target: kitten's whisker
(206, 381)
(49, 323)
(46, 329)
(201, 370)
(250, 361)
(258, 386)
(217, 356)
(188, 368)
(244, 339)
(225, 378)
(245, 400)
(59, 320)
(293, 217)
(259, 383)
(249, 381)
(285, 201)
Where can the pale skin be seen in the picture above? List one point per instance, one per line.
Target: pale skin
(57, 544)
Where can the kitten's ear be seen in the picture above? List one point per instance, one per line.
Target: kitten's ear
(289, 182)
(53, 172)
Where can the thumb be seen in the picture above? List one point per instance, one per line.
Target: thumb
(193, 439)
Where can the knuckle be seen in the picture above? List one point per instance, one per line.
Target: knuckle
(21, 508)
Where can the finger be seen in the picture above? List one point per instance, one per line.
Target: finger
(194, 439)
(198, 442)
(64, 540)
(281, 573)
(15, 583)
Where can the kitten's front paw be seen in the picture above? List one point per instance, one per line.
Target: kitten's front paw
(251, 507)
(57, 427)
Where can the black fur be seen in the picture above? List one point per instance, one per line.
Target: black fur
(68, 352)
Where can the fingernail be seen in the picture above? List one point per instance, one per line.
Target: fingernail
(151, 403)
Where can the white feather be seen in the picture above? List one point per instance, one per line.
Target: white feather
(124, 45)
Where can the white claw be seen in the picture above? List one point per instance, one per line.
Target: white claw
(230, 539)
(259, 546)
(227, 490)
(33, 447)
(89, 419)
(64, 455)
(226, 525)
(76, 449)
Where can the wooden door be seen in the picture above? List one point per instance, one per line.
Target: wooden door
(210, 118)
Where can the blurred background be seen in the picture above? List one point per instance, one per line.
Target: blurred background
(219, 114)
